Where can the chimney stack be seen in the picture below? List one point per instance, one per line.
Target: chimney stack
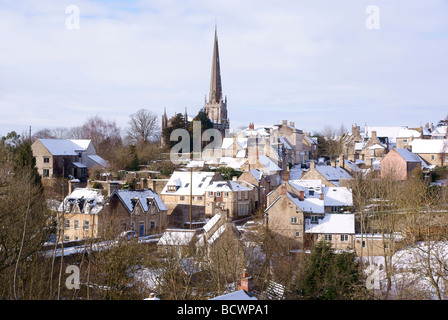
(283, 189)
(291, 124)
(245, 282)
(301, 195)
(251, 126)
(322, 196)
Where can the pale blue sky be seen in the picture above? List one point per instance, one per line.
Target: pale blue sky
(312, 62)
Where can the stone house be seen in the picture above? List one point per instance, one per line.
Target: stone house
(294, 138)
(310, 203)
(399, 163)
(302, 220)
(88, 213)
(329, 175)
(237, 200)
(84, 214)
(185, 190)
(57, 157)
(433, 151)
(256, 180)
(142, 211)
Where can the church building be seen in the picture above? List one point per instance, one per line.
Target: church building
(216, 106)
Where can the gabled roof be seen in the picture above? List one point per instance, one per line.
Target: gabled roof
(334, 223)
(98, 160)
(407, 155)
(60, 147)
(182, 180)
(127, 196)
(89, 200)
(429, 145)
(337, 196)
(333, 174)
(308, 205)
(226, 186)
(177, 237)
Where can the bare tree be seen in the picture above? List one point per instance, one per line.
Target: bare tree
(105, 134)
(143, 127)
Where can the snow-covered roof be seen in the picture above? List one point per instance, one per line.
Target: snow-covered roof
(226, 186)
(306, 185)
(177, 237)
(99, 160)
(334, 223)
(144, 196)
(268, 164)
(60, 147)
(182, 180)
(79, 165)
(407, 155)
(308, 205)
(376, 146)
(337, 196)
(211, 222)
(407, 133)
(429, 145)
(236, 295)
(285, 143)
(257, 174)
(333, 174)
(89, 200)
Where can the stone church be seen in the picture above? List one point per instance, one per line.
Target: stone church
(216, 106)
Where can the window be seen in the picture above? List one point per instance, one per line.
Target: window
(294, 220)
(328, 237)
(86, 224)
(335, 209)
(363, 243)
(218, 193)
(311, 192)
(199, 198)
(433, 157)
(152, 225)
(239, 195)
(405, 140)
(226, 194)
(182, 198)
(297, 234)
(66, 238)
(76, 224)
(76, 238)
(344, 237)
(210, 194)
(46, 172)
(67, 223)
(46, 160)
(314, 219)
(246, 195)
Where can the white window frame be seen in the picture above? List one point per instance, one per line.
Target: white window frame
(293, 220)
(344, 237)
(86, 225)
(328, 237)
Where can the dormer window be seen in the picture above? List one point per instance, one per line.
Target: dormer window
(171, 188)
(314, 219)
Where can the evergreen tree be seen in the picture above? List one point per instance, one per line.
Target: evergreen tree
(328, 275)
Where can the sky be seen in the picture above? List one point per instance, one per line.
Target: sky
(316, 63)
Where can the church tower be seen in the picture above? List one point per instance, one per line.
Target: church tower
(216, 107)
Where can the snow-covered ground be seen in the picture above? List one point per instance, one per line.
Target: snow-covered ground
(418, 272)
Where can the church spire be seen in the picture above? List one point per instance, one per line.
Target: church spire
(215, 82)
